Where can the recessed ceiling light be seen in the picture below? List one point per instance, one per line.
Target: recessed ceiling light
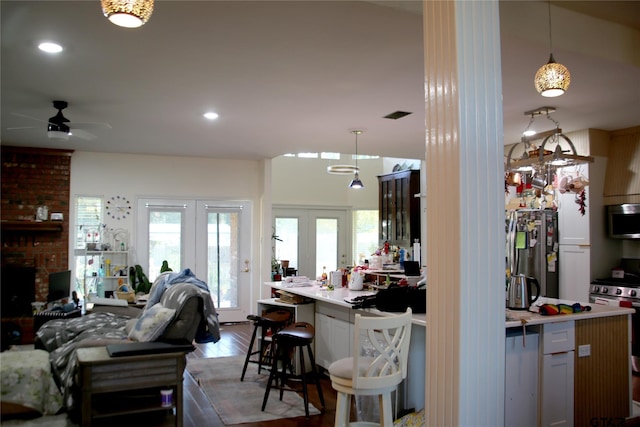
(210, 115)
(50, 47)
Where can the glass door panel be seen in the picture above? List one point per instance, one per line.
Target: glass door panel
(326, 245)
(286, 242)
(222, 255)
(165, 240)
(164, 234)
(312, 238)
(222, 250)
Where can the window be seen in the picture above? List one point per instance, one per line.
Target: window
(88, 220)
(365, 226)
(88, 225)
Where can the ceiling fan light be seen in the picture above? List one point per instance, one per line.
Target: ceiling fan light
(552, 79)
(57, 134)
(127, 13)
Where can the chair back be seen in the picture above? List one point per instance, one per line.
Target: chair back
(380, 350)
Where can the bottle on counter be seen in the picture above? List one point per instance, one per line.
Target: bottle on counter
(324, 276)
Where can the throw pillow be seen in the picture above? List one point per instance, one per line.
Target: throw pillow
(152, 323)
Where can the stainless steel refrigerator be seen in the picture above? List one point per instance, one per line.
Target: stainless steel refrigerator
(532, 247)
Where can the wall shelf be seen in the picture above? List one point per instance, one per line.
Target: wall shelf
(30, 226)
(20, 233)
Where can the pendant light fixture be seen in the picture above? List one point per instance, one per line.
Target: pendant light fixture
(355, 182)
(127, 13)
(552, 79)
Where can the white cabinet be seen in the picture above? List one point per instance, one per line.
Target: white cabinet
(574, 226)
(333, 339)
(557, 374)
(333, 334)
(574, 272)
(300, 313)
(585, 252)
(557, 395)
(521, 379)
(101, 271)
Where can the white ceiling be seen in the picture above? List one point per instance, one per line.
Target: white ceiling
(291, 76)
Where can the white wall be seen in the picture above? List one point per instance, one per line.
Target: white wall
(146, 176)
(298, 181)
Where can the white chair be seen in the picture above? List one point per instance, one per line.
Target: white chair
(376, 375)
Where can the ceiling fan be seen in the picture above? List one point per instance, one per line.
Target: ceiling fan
(59, 127)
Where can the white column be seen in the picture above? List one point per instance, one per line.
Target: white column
(465, 214)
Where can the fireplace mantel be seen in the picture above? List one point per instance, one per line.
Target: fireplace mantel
(30, 226)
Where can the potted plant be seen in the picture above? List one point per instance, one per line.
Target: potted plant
(275, 263)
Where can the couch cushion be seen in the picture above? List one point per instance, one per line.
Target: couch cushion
(186, 300)
(152, 323)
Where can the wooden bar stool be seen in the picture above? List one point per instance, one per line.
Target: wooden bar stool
(270, 323)
(286, 343)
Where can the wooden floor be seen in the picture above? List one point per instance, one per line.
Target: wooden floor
(235, 341)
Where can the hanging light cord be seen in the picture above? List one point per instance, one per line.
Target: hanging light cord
(549, 11)
(356, 132)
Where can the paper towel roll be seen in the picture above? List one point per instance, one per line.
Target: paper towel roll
(335, 278)
(416, 252)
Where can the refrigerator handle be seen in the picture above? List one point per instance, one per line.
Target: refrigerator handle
(511, 242)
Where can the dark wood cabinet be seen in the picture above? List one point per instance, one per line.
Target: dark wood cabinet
(399, 208)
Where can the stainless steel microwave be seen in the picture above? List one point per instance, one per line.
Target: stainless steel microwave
(623, 221)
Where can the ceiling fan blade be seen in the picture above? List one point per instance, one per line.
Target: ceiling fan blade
(29, 117)
(82, 134)
(20, 127)
(89, 125)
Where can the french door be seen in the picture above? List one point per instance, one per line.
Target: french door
(311, 239)
(212, 238)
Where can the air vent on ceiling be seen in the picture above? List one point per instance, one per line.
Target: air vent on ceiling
(397, 115)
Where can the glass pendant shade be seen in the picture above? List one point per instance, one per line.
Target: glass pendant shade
(355, 182)
(127, 13)
(552, 79)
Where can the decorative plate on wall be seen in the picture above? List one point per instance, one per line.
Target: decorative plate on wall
(118, 207)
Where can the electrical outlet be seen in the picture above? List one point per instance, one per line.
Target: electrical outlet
(584, 350)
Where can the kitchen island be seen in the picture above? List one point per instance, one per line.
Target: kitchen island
(334, 319)
(598, 369)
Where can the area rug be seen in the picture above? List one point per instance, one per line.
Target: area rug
(238, 402)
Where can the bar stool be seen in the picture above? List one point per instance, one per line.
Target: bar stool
(270, 322)
(293, 338)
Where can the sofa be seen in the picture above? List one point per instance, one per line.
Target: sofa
(180, 310)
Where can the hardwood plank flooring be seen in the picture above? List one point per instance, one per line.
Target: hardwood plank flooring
(235, 341)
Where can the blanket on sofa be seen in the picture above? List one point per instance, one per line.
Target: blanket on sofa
(62, 337)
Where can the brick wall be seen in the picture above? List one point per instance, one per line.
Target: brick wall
(32, 177)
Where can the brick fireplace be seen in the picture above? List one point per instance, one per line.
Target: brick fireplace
(32, 177)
